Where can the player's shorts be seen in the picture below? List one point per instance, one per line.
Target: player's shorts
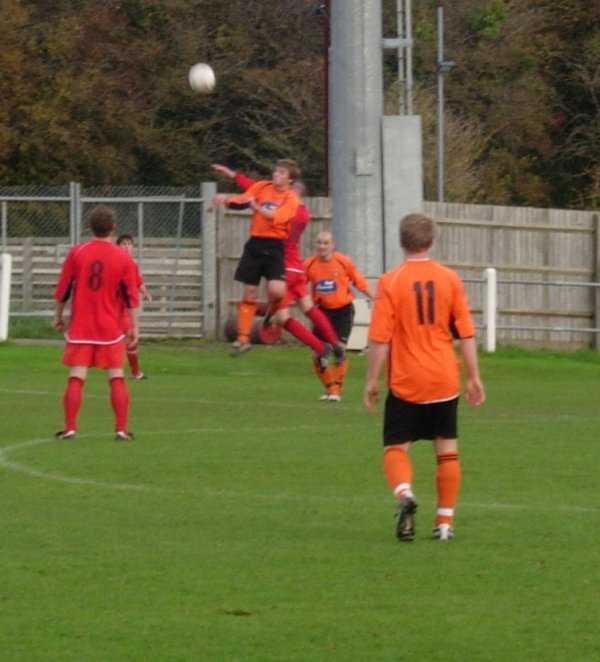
(262, 258)
(296, 288)
(95, 356)
(341, 319)
(408, 421)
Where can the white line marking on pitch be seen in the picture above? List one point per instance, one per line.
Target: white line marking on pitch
(77, 480)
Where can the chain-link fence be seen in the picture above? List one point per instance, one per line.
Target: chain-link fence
(38, 224)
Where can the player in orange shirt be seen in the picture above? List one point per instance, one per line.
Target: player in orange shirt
(92, 276)
(332, 276)
(274, 204)
(419, 307)
(126, 242)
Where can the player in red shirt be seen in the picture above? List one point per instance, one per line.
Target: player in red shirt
(93, 276)
(332, 276)
(126, 242)
(419, 307)
(296, 287)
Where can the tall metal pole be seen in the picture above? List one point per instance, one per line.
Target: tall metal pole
(322, 10)
(440, 105)
(355, 114)
(443, 67)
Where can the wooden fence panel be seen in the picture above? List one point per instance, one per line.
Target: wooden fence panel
(526, 246)
(532, 250)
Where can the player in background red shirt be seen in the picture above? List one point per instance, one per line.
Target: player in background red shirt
(273, 204)
(93, 276)
(332, 276)
(296, 286)
(419, 307)
(126, 242)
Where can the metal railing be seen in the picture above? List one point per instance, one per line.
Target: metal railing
(490, 324)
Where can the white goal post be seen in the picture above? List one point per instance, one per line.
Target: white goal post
(5, 278)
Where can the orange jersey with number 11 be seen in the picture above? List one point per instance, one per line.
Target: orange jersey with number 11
(418, 308)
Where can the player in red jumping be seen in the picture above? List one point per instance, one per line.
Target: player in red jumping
(92, 276)
(296, 285)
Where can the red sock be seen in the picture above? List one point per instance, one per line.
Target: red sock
(398, 470)
(72, 399)
(298, 330)
(447, 480)
(322, 325)
(119, 400)
(134, 365)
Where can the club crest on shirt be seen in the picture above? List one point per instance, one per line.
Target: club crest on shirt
(270, 205)
(326, 286)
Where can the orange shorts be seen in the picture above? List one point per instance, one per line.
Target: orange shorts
(95, 356)
(295, 283)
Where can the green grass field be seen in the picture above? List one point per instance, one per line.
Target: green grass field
(249, 522)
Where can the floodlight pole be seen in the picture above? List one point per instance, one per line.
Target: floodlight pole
(443, 67)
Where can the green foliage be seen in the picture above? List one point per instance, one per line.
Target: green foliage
(487, 22)
(248, 521)
(97, 92)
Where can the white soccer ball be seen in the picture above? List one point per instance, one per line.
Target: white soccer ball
(202, 78)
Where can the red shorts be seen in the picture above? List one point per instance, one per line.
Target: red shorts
(95, 356)
(295, 283)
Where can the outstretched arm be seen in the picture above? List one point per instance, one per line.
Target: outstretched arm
(223, 170)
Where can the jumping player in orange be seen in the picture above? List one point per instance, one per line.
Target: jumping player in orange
(274, 204)
(296, 286)
(332, 276)
(125, 241)
(419, 307)
(92, 276)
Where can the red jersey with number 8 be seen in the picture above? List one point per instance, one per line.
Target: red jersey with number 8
(94, 275)
(418, 308)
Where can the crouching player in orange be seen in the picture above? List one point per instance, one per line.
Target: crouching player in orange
(332, 275)
(419, 307)
(92, 275)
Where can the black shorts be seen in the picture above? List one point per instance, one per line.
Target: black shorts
(341, 319)
(407, 421)
(262, 258)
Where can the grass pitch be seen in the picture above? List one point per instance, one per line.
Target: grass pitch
(250, 522)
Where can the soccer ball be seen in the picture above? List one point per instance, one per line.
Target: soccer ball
(202, 78)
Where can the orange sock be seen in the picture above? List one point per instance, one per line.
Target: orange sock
(326, 376)
(339, 373)
(447, 483)
(398, 470)
(246, 312)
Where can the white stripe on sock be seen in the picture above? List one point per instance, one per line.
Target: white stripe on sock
(402, 489)
(446, 512)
